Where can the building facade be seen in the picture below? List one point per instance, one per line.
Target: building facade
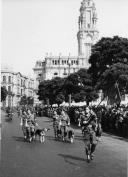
(17, 85)
(88, 33)
(62, 66)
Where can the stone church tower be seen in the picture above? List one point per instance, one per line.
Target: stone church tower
(88, 33)
(62, 66)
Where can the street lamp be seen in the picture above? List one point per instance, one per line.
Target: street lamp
(69, 64)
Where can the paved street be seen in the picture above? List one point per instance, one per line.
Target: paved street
(56, 158)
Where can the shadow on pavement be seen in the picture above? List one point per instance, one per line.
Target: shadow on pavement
(21, 139)
(47, 121)
(8, 120)
(78, 137)
(114, 136)
(51, 138)
(67, 156)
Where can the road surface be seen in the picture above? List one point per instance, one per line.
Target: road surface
(58, 159)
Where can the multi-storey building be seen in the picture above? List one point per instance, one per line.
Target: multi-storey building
(17, 85)
(87, 35)
(62, 66)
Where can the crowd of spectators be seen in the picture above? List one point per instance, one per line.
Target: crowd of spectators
(113, 119)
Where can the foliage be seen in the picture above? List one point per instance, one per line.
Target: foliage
(23, 100)
(3, 94)
(81, 87)
(30, 100)
(109, 65)
(57, 90)
(51, 90)
(26, 100)
(59, 98)
(107, 52)
(114, 80)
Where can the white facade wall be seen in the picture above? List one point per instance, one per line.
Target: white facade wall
(17, 86)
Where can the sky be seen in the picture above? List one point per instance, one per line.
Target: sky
(33, 28)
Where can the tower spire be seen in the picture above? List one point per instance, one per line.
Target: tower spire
(88, 33)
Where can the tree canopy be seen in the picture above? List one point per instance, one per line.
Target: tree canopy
(51, 90)
(26, 100)
(109, 66)
(108, 71)
(114, 80)
(78, 84)
(107, 52)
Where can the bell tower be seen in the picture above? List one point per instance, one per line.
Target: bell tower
(88, 33)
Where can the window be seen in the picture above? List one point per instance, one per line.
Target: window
(18, 90)
(9, 88)
(88, 25)
(55, 62)
(74, 70)
(4, 87)
(21, 91)
(18, 81)
(4, 78)
(29, 85)
(55, 73)
(65, 73)
(24, 83)
(77, 62)
(9, 79)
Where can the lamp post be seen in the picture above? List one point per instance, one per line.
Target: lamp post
(69, 64)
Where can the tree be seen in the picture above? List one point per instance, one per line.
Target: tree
(26, 100)
(23, 100)
(51, 90)
(30, 100)
(106, 52)
(80, 86)
(59, 98)
(114, 81)
(57, 90)
(3, 94)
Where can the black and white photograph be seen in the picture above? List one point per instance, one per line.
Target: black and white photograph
(64, 88)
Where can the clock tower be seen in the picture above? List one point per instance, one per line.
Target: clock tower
(88, 33)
